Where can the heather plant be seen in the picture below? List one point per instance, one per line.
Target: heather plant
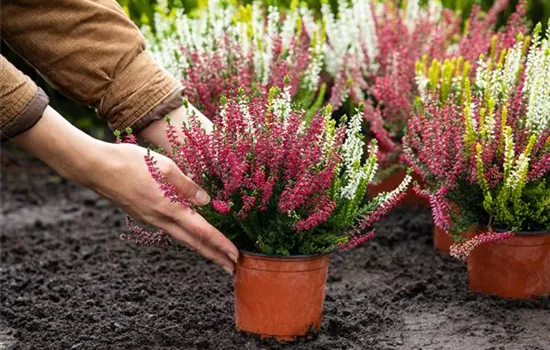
(279, 184)
(483, 144)
(374, 63)
(224, 47)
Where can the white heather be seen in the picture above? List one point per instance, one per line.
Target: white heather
(537, 85)
(387, 197)
(352, 151)
(282, 105)
(411, 15)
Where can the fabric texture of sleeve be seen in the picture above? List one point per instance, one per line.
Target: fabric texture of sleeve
(92, 52)
(22, 103)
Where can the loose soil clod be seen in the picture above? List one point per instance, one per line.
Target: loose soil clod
(67, 281)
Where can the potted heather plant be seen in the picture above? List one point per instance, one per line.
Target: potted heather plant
(287, 192)
(483, 152)
(375, 63)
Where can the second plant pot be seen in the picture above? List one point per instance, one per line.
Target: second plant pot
(518, 267)
(280, 297)
(442, 241)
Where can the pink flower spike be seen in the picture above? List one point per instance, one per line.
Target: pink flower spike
(462, 250)
(221, 206)
(169, 191)
(141, 236)
(355, 241)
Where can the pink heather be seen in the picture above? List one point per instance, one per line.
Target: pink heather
(540, 168)
(127, 138)
(462, 250)
(211, 75)
(440, 210)
(141, 236)
(265, 163)
(355, 241)
(320, 213)
(248, 162)
(221, 206)
(248, 205)
(167, 189)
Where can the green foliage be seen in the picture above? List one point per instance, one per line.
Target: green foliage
(142, 11)
(528, 212)
(468, 209)
(516, 204)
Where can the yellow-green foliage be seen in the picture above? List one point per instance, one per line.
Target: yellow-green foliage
(504, 124)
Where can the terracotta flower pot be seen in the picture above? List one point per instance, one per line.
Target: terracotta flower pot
(280, 297)
(391, 182)
(442, 241)
(518, 267)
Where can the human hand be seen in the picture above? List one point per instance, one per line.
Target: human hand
(140, 197)
(119, 173)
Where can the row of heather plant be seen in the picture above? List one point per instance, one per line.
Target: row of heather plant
(375, 63)
(481, 141)
(227, 47)
(364, 55)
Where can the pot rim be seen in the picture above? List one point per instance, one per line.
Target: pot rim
(525, 233)
(289, 257)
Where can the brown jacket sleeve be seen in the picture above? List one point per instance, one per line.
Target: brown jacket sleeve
(91, 51)
(22, 103)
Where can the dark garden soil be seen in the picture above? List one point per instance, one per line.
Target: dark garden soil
(68, 282)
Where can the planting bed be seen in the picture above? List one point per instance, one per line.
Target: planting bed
(68, 282)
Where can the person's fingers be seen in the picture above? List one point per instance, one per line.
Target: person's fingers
(207, 234)
(184, 185)
(193, 242)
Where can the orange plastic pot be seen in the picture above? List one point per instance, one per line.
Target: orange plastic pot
(391, 182)
(280, 297)
(442, 241)
(518, 267)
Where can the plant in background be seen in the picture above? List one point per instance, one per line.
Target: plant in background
(223, 47)
(485, 146)
(374, 63)
(281, 185)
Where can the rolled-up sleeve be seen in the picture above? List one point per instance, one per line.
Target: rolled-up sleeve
(90, 51)
(22, 103)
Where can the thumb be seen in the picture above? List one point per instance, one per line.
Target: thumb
(185, 186)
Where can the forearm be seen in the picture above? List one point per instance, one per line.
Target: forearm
(72, 153)
(69, 151)
(92, 52)
(155, 133)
